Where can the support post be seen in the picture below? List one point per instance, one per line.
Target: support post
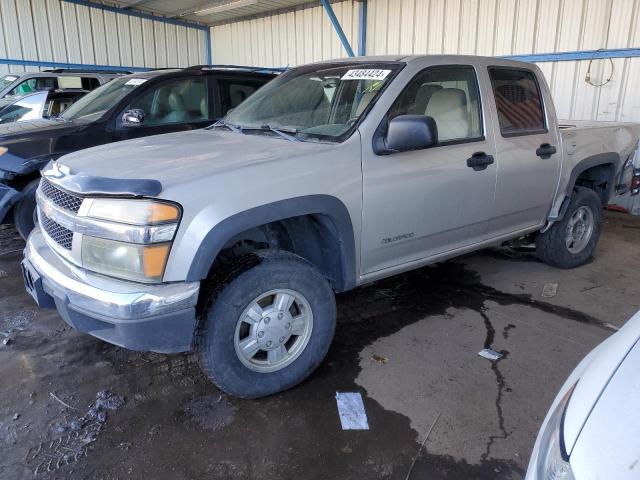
(337, 27)
(207, 47)
(362, 40)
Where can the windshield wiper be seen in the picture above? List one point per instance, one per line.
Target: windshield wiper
(284, 133)
(223, 123)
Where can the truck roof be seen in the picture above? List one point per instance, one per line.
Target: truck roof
(419, 58)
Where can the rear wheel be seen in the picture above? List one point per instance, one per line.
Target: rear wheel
(570, 242)
(24, 212)
(268, 324)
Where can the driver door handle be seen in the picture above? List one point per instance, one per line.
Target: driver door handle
(479, 161)
(545, 150)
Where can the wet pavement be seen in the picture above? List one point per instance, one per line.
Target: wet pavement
(72, 406)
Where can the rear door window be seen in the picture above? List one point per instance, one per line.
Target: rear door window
(518, 101)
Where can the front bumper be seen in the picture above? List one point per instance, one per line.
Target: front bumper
(159, 317)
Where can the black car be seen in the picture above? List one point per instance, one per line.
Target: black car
(137, 105)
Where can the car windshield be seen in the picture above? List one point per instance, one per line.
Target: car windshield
(322, 102)
(6, 81)
(28, 107)
(94, 104)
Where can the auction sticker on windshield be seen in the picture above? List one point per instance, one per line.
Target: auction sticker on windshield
(10, 79)
(365, 74)
(136, 81)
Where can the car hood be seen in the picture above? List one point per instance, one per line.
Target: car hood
(608, 444)
(595, 377)
(29, 141)
(28, 127)
(177, 158)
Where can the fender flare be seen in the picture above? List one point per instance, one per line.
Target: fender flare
(8, 198)
(608, 158)
(330, 206)
(562, 202)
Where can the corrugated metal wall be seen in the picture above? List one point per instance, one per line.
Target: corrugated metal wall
(510, 27)
(286, 39)
(53, 30)
(479, 27)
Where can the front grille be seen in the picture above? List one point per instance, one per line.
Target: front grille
(59, 234)
(61, 198)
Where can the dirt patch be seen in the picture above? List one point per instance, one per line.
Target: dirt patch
(210, 412)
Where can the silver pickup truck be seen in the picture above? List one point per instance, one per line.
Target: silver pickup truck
(232, 240)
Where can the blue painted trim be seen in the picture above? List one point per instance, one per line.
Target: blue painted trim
(44, 63)
(133, 13)
(362, 41)
(337, 27)
(207, 47)
(578, 55)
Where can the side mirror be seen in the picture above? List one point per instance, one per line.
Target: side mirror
(410, 132)
(133, 117)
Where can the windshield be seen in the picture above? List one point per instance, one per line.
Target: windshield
(29, 107)
(324, 103)
(6, 81)
(94, 104)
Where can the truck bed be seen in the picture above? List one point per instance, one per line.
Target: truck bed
(583, 138)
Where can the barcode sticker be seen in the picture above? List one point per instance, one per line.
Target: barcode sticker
(366, 74)
(136, 81)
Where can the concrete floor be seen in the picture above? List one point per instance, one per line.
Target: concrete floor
(428, 325)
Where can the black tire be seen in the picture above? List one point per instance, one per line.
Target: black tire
(24, 212)
(245, 280)
(551, 246)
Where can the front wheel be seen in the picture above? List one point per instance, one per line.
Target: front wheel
(570, 242)
(267, 326)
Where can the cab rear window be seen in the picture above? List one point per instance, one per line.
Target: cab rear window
(518, 101)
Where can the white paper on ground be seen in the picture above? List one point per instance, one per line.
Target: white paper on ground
(490, 354)
(550, 290)
(351, 410)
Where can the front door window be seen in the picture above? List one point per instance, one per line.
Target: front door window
(183, 100)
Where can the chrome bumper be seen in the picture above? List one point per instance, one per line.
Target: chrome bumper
(159, 317)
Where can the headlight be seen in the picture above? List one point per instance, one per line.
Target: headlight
(135, 212)
(140, 235)
(553, 461)
(141, 263)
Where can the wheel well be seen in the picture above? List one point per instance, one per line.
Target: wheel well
(314, 237)
(19, 183)
(599, 179)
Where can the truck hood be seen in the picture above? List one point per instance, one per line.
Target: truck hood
(30, 141)
(176, 158)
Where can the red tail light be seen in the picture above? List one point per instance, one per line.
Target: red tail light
(635, 183)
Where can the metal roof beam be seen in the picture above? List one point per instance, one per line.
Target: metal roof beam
(337, 27)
